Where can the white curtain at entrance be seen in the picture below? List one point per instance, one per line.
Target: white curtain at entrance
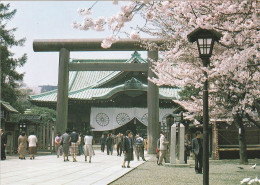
(104, 118)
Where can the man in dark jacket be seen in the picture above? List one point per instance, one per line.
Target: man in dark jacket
(102, 142)
(197, 149)
(109, 143)
(128, 149)
(3, 144)
(74, 138)
(119, 145)
(187, 148)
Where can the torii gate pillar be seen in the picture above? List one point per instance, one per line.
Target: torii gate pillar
(153, 106)
(62, 96)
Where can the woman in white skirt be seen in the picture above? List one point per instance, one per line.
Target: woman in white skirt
(88, 149)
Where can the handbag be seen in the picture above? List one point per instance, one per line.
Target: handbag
(157, 150)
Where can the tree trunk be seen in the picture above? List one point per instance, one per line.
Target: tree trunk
(242, 139)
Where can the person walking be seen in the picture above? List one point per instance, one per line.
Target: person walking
(22, 145)
(128, 149)
(109, 143)
(197, 149)
(113, 143)
(80, 144)
(158, 149)
(187, 147)
(88, 147)
(3, 144)
(65, 142)
(32, 140)
(102, 142)
(139, 144)
(58, 144)
(119, 140)
(74, 139)
(163, 148)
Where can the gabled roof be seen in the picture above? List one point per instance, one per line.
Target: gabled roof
(8, 107)
(86, 85)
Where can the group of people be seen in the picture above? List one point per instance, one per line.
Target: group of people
(195, 147)
(112, 141)
(73, 143)
(24, 142)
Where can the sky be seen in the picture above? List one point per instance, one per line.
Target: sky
(53, 20)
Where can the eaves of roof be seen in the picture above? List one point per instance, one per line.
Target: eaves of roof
(9, 107)
(105, 93)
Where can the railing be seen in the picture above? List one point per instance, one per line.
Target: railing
(251, 147)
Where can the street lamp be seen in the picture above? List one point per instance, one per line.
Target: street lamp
(205, 41)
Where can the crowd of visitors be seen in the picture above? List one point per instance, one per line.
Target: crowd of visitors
(77, 144)
(70, 143)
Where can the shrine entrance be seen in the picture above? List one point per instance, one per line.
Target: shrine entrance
(136, 126)
(65, 46)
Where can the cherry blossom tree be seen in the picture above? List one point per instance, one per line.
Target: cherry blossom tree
(234, 70)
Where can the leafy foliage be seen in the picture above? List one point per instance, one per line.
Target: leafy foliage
(46, 113)
(10, 78)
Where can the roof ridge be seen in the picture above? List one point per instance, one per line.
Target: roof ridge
(89, 60)
(43, 94)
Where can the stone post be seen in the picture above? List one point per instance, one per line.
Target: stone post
(173, 145)
(214, 141)
(44, 137)
(181, 144)
(48, 136)
(153, 107)
(62, 96)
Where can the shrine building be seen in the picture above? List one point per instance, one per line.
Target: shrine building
(110, 101)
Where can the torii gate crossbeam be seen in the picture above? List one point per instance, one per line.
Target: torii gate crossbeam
(64, 46)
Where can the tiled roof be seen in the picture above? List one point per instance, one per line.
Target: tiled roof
(103, 93)
(8, 107)
(85, 85)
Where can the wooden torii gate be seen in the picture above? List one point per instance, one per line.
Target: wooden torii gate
(64, 46)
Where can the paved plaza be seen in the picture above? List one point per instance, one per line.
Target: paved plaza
(104, 169)
(51, 170)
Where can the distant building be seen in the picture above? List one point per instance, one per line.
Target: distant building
(9, 122)
(46, 88)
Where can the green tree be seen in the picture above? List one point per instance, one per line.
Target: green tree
(46, 113)
(10, 78)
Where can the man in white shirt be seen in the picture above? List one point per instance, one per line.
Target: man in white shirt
(88, 149)
(32, 140)
(163, 147)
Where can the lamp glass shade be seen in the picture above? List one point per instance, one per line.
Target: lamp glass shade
(204, 45)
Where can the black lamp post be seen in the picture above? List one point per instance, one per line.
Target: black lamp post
(205, 40)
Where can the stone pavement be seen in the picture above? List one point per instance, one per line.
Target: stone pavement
(54, 171)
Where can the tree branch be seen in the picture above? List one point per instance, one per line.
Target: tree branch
(256, 123)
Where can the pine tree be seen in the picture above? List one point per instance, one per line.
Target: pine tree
(10, 78)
